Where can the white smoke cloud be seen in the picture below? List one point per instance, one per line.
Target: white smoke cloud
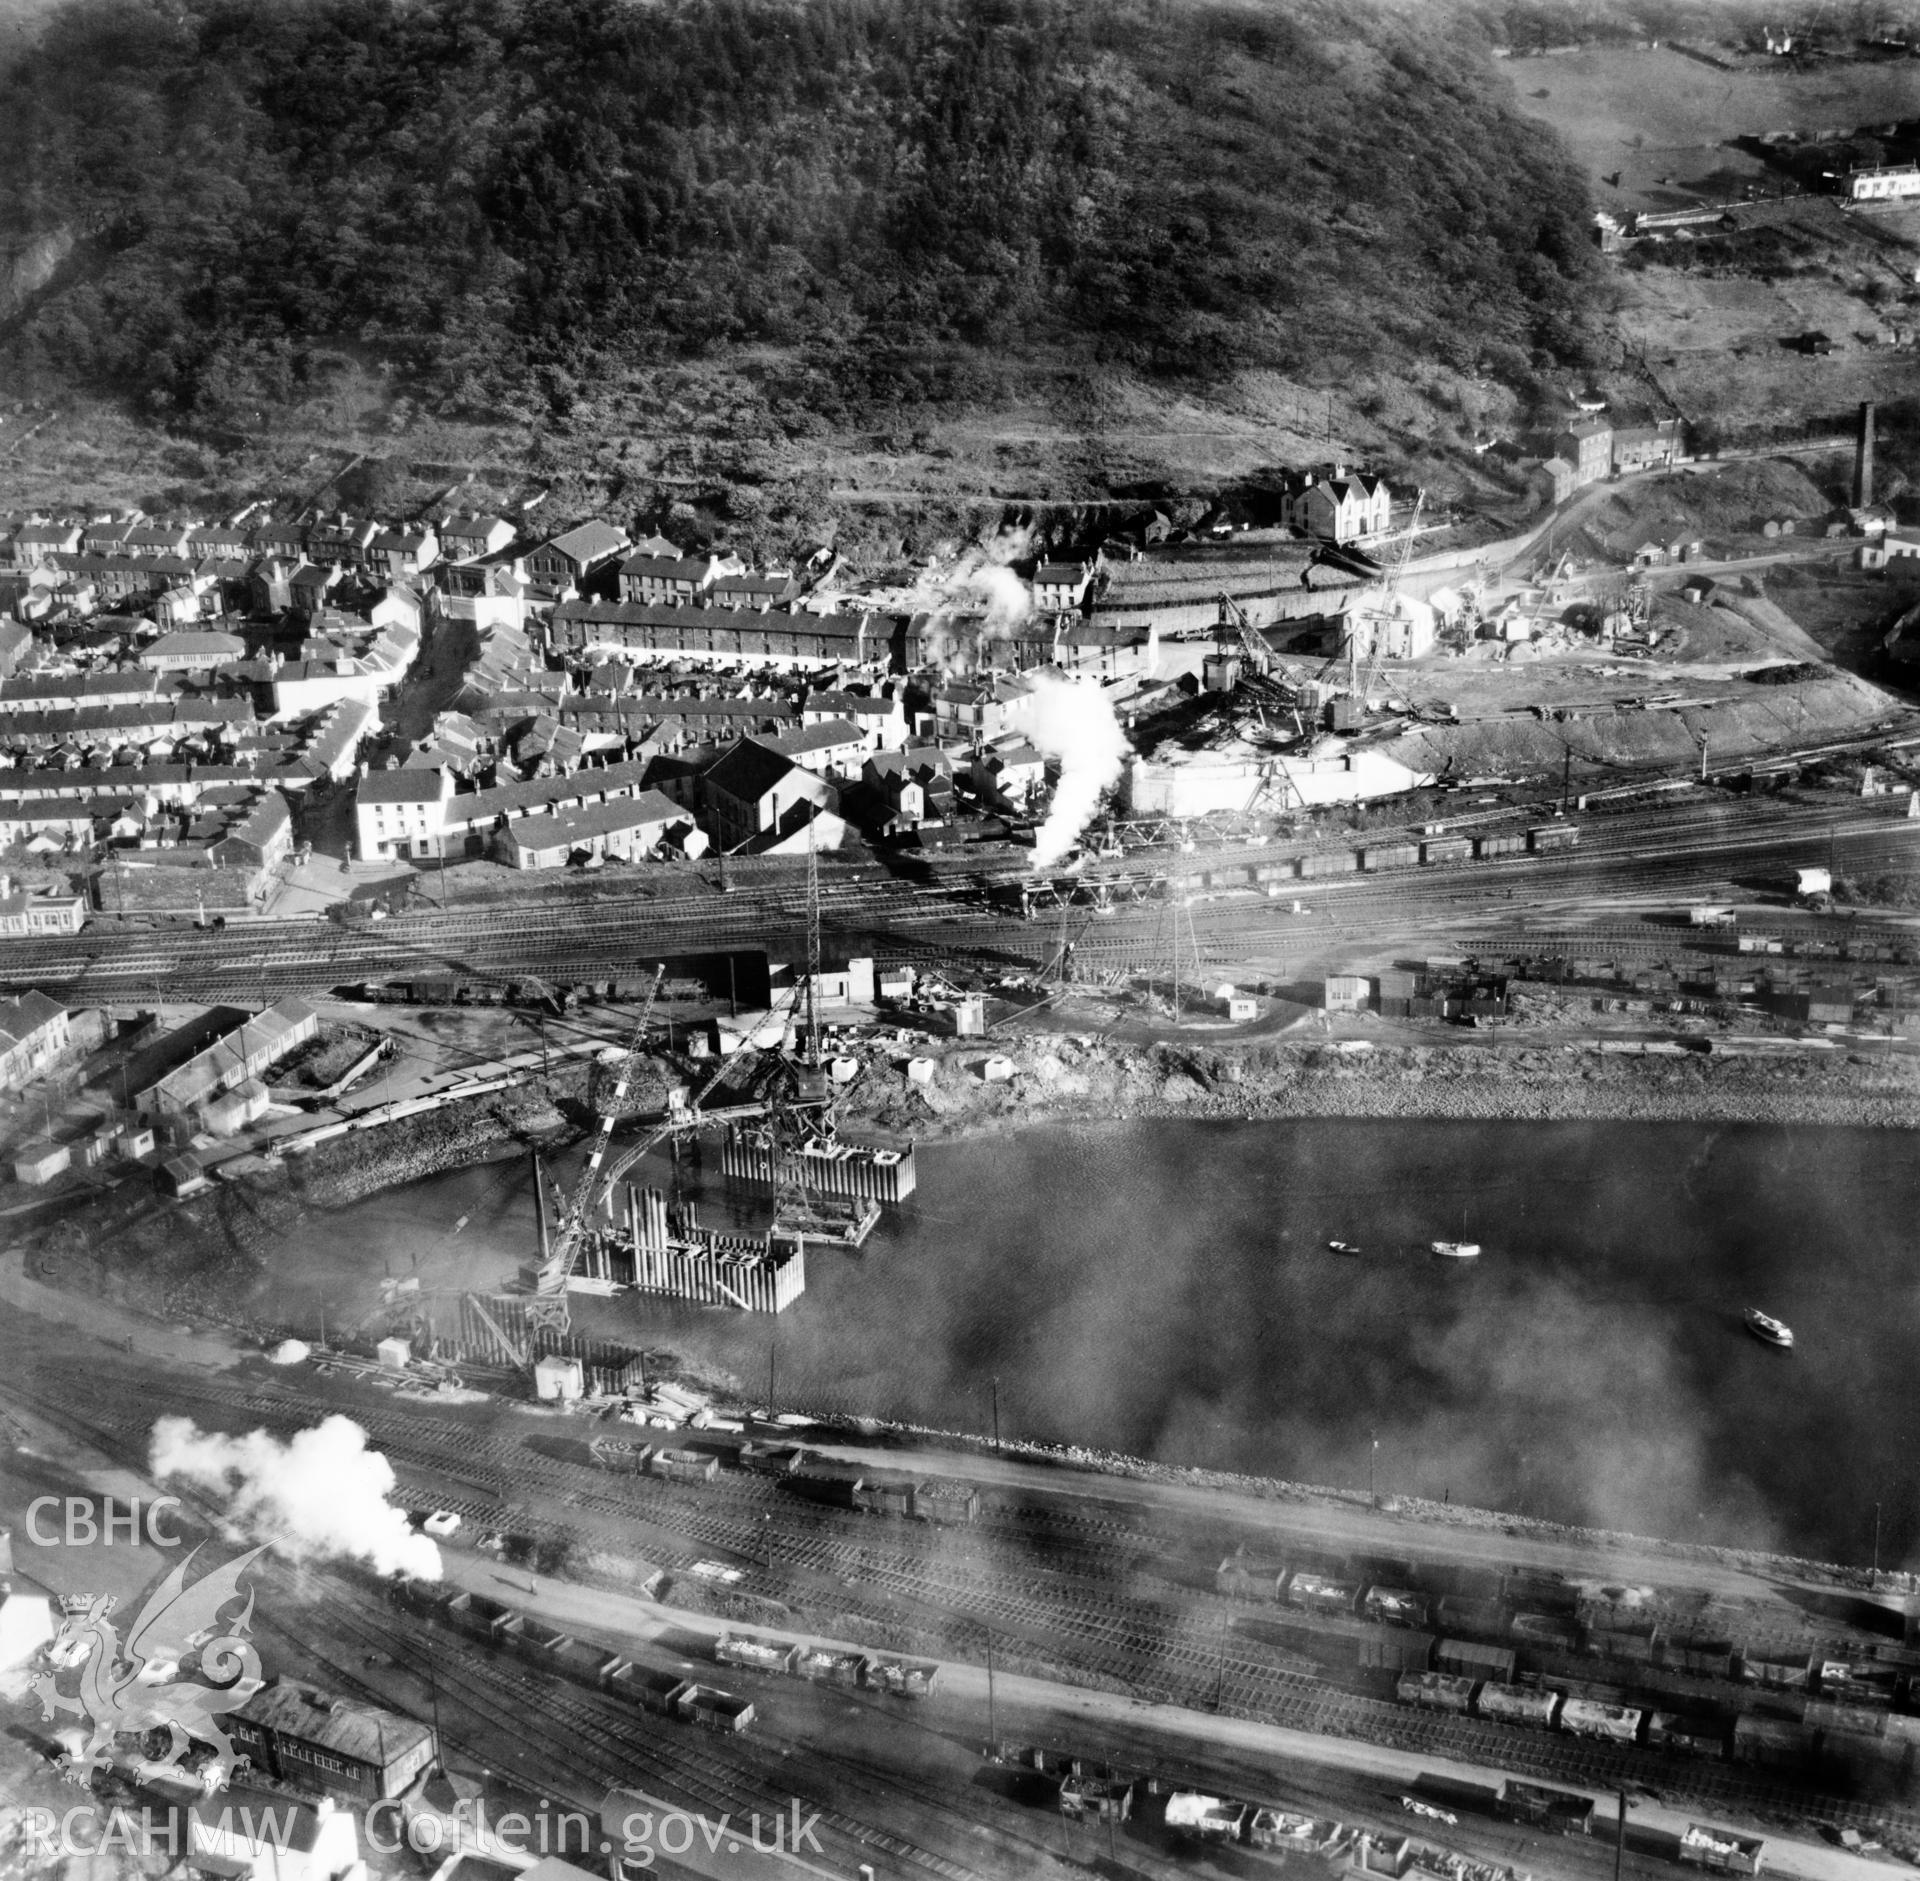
(1005, 595)
(979, 574)
(321, 1492)
(1073, 721)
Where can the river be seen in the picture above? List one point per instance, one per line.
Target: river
(1166, 1289)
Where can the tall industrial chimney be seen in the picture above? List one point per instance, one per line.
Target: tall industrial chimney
(1863, 458)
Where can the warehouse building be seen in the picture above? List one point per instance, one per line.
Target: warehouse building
(219, 1087)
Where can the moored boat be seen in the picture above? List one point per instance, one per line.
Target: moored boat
(1457, 1250)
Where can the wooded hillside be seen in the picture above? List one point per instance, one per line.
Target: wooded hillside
(498, 196)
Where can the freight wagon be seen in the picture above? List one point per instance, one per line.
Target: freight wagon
(1390, 856)
(664, 1693)
(645, 1688)
(1704, 1847)
(1396, 1605)
(685, 1466)
(1559, 1812)
(822, 1667)
(1691, 1737)
(1705, 1658)
(481, 1618)
(1551, 1630)
(1317, 1594)
(904, 1678)
(1373, 858)
(1328, 862)
(1784, 1674)
(1472, 1660)
(1393, 1649)
(1436, 1691)
(946, 1504)
(883, 1498)
(757, 1655)
(1584, 1717)
(1518, 1704)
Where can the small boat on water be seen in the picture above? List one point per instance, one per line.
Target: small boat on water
(1457, 1250)
(1765, 1327)
(1343, 1247)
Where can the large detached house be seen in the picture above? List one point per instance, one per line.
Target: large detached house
(1345, 507)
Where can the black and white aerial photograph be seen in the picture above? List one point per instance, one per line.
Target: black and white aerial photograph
(959, 940)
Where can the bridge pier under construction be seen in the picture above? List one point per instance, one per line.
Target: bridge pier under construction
(672, 1254)
(821, 1165)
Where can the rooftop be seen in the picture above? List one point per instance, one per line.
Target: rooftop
(351, 1729)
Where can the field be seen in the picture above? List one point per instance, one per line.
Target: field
(1662, 120)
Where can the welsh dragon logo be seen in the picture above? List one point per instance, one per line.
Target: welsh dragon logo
(138, 1689)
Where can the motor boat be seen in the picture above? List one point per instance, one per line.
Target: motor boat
(1765, 1327)
(1343, 1247)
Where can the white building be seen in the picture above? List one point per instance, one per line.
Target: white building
(270, 1835)
(1884, 182)
(34, 1031)
(400, 813)
(1201, 785)
(1892, 546)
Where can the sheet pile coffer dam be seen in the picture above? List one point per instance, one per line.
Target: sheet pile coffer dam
(821, 1165)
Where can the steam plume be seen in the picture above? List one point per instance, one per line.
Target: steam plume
(1004, 593)
(321, 1492)
(980, 574)
(1073, 722)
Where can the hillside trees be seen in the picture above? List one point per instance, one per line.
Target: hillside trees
(498, 197)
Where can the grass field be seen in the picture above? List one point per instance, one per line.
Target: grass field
(1663, 121)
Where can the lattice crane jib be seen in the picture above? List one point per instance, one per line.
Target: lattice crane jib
(555, 1271)
(813, 946)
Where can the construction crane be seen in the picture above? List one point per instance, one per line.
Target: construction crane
(779, 1092)
(1360, 683)
(1253, 643)
(573, 1220)
(1262, 662)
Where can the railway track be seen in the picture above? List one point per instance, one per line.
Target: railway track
(607, 1741)
(944, 919)
(1085, 1615)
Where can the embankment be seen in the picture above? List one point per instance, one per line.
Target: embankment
(200, 1258)
(1078, 1078)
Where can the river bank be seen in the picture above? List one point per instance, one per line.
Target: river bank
(1079, 1078)
(200, 1256)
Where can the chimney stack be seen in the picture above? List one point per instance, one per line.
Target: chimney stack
(1863, 458)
